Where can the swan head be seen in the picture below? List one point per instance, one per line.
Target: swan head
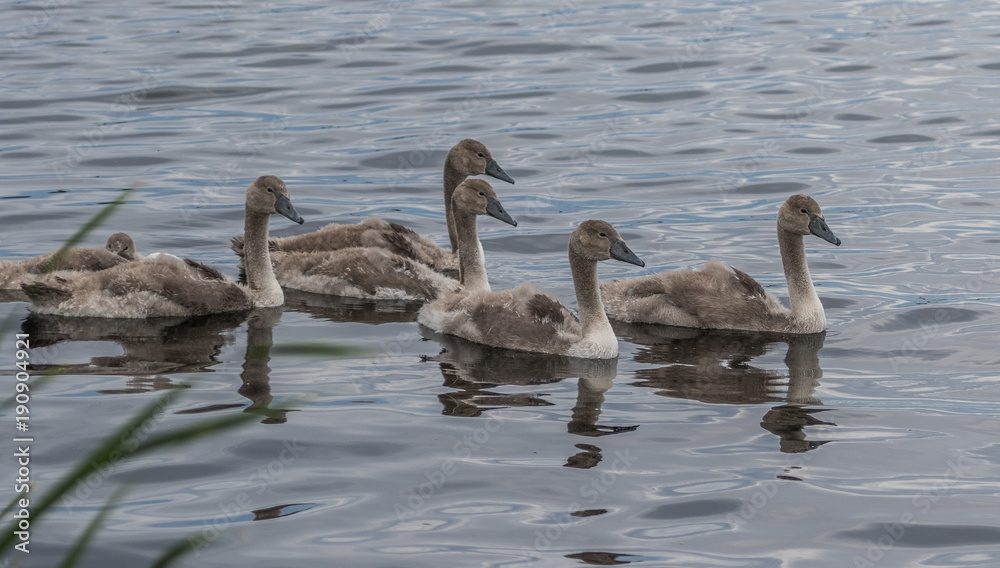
(801, 215)
(122, 245)
(477, 197)
(598, 240)
(471, 158)
(268, 195)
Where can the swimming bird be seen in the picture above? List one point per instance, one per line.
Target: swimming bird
(158, 288)
(528, 319)
(119, 249)
(467, 158)
(722, 297)
(380, 274)
(122, 245)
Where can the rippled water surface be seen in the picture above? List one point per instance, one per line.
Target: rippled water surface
(685, 125)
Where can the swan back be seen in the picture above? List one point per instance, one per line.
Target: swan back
(378, 273)
(528, 319)
(467, 158)
(163, 287)
(723, 297)
(78, 259)
(360, 272)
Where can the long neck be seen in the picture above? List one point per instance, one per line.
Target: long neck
(256, 372)
(802, 297)
(264, 288)
(588, 298)
(804, 371)
(452, 177)
(471, 265)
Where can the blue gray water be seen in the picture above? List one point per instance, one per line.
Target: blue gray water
(683, 124)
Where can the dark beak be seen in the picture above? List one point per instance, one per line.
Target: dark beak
(284, 206)
(495, 210)
(818, 227)
(493, 169)
(620, 251)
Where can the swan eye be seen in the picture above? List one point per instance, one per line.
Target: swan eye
(804, 211)
(603, 234)
(483, 194)
(481, 155)
(269, 190)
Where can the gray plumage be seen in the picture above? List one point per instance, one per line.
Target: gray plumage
(380, 274)
(168, 286)
(119, 249)
(529, 319)
(467, 158)
(722, 297)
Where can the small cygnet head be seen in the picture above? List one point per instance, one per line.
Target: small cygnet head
(122, 245)
(472, 159)
(268, 195)
(598, 240)
(801, 215)
(477, 197)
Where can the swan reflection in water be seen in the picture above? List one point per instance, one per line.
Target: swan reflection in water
(356, 310)
(153, 349)
(476, 372)
(715, 367)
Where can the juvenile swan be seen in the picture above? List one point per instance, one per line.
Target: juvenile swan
(379, 274)
(119, 249)
(528, 319)
(122, 245)
(467, 158)
(151, 288)
(720, 297)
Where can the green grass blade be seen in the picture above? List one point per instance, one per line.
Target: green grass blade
(325, 350)
(110, 451)
(88, 227)
(193, 432)
(75, 552)
(178, 550)
(13, 503)
(116, 448)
